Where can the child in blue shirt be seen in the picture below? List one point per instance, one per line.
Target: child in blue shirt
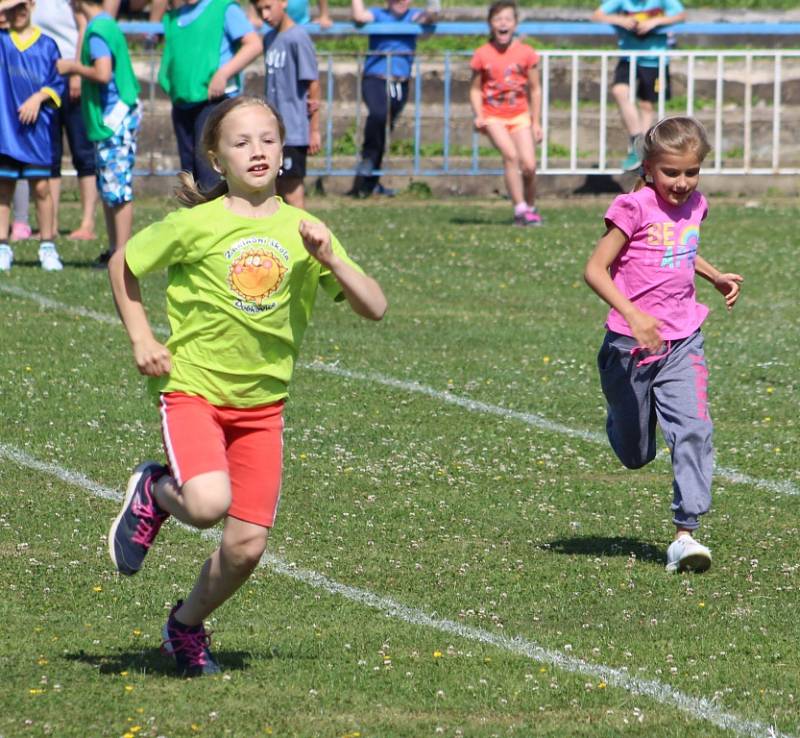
(292, 87)
(384, 85)
(30, 90)
(636, 23)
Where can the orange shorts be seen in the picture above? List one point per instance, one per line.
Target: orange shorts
(517, 123)
(245, 443)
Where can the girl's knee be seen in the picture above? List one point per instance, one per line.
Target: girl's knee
(528, 170)
(206, 499)
(244, 555)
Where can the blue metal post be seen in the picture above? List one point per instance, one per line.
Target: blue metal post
(446, 111)
(417, 113)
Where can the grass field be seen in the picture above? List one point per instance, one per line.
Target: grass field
(457, 553)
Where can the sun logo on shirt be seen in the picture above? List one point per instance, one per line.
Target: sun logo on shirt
(255, 275)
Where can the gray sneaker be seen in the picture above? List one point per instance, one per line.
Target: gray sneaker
(686, 554)
(136, 527)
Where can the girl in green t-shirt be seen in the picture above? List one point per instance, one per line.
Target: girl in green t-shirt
(244, 268)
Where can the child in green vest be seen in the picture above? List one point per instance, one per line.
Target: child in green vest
(111, 111)
(207, 44)
(243, 272)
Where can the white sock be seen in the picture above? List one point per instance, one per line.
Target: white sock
(520, 208)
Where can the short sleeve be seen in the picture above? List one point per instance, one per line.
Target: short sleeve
(236, 23)
(98, 48)
(476, 63)
(54, 83)
(156, 247)
(625, 214)
(327, 281)
(703, 207)
(306, 59)
(531, 56)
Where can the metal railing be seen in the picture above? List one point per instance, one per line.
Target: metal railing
(749, 101)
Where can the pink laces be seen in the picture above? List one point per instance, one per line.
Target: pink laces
(150, 521)
(194, 643)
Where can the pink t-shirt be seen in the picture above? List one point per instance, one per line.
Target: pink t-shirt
(655, 269)
(504, 77)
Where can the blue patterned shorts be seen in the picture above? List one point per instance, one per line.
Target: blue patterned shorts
(115, 158)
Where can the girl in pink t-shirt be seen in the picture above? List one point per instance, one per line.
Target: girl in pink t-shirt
(652, 364)
(506, 100)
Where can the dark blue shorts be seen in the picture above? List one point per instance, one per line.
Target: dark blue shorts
(68, 118)
(13, 169)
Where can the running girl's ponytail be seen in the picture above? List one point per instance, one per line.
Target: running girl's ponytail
(187, 190)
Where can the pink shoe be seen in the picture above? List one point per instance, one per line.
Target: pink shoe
(20, 231)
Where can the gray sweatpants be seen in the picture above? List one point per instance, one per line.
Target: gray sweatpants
(670, 388)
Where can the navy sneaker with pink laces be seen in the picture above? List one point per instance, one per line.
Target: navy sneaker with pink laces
(136, 527)
(189, 644)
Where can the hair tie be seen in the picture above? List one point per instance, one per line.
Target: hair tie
(641, 172)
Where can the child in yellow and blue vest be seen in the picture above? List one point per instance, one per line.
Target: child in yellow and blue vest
(30, 89)
(111, 112)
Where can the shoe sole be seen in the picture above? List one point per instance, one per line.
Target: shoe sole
(696, 563)
(133, 482)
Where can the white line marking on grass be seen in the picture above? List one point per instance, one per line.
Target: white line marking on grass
(698, 708)
(776, 486)
(783, 487)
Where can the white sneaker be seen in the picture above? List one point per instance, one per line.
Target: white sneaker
(6, 257)
(686, 554)
(49, 258)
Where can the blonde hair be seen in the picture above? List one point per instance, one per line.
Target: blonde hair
(187, 191)
(678, 134)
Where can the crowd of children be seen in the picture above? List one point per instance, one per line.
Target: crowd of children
(96, 104)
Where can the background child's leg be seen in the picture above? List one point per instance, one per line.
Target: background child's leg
(631, 420)
(501, 138)
(681, 400)
(204, 174)
(122, 216)
(373, 91)
(22, 194)
(225, 570)
(526, 150)
(627, 109)
(647, 115)
(82, 151)
(6, 196)
(44, 208)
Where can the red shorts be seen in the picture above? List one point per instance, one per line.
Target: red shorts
(245, 443)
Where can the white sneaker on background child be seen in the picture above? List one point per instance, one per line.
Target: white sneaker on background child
(686, 554)
(6, 257)
(49, 258)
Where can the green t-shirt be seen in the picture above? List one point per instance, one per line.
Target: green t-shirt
(240, 295)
